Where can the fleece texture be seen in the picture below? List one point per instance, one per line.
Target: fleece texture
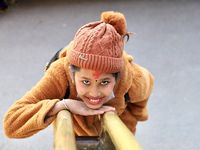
(28, 115)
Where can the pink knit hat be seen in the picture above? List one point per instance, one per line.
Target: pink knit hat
(99, 45)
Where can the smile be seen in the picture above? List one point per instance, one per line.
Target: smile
(95, 101)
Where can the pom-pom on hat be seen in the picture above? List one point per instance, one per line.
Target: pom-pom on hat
(99, 45)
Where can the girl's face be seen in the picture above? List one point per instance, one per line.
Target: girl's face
(93, 87)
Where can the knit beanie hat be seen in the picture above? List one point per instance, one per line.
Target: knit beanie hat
(99, 45)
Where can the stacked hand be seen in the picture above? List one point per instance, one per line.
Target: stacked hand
(78, 107)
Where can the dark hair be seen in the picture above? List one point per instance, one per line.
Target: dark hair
(74, 68)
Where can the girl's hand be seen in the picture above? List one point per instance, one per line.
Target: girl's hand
(79, 107)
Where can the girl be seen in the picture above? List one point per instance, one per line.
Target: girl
(93, 75)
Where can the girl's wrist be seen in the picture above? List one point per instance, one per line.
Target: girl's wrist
(64, 103)
(58, 107)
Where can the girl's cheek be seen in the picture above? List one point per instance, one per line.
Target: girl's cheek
(108, 90)
(80, 89)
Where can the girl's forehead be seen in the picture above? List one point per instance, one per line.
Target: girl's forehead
(93, 74)
(96, 74)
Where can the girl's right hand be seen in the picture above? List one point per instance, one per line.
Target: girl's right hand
(79, 107)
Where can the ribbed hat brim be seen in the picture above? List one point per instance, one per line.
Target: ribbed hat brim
(95, 62)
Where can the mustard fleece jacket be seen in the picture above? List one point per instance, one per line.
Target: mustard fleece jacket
(28, 115)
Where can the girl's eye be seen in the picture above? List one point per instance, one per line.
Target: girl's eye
(105, 82)
(86, 82)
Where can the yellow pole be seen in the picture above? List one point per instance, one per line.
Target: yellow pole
(121, 136)
(64, 133)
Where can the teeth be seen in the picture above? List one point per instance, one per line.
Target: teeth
(94, 100)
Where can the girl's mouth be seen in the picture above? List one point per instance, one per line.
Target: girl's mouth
(94, 101)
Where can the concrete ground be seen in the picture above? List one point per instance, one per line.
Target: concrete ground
(167, 42)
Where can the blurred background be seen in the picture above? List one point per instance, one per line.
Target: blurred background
(166, 42)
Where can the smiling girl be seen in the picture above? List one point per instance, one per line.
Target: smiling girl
(93, 75)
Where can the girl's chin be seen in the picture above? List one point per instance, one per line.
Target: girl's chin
(93, 106)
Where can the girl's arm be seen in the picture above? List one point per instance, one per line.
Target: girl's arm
(28, 115)
(140, 92)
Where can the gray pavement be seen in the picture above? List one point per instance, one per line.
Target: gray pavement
(166, 42)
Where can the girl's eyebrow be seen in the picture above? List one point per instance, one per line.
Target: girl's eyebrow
(106, 78)
(86, 78)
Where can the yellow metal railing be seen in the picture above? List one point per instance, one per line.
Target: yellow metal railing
(64, 134)
(120, 135)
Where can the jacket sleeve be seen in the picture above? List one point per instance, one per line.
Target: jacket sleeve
(139, 92)
(28, 115)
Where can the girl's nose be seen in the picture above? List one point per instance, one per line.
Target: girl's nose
(94, 92)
